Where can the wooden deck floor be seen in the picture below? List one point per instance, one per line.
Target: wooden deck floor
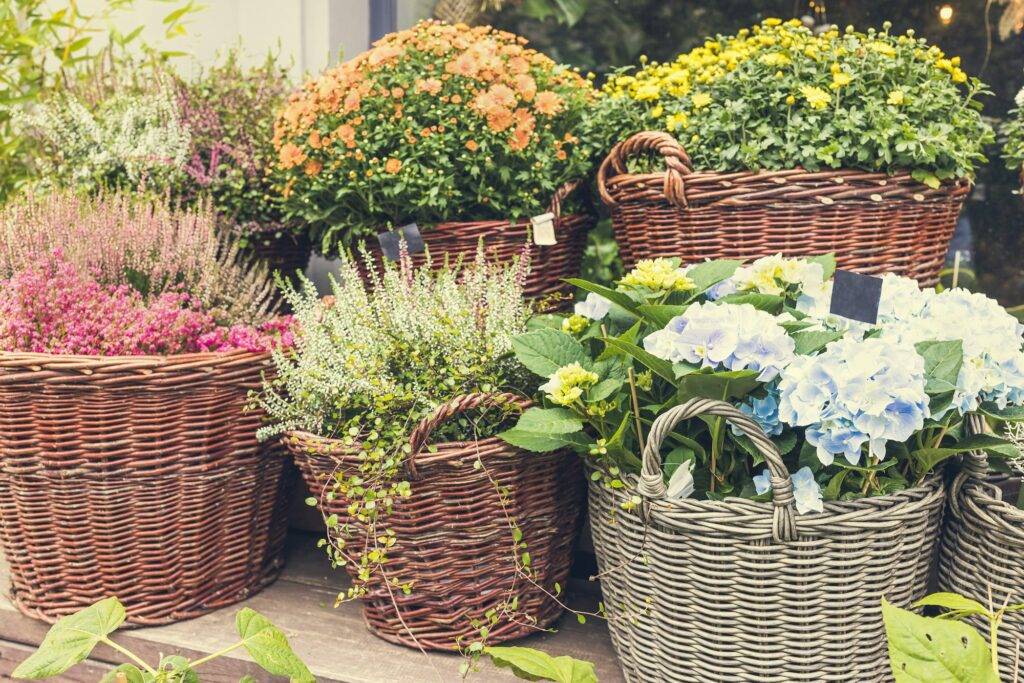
(334, 642)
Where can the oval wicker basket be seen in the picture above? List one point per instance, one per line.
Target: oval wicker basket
(703, 590)
(872, 222)
(282, 249)
(505, 240)
(983, 547)
(138, 477)
(454, 541)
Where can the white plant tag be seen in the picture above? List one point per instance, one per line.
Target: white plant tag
(681, 483)
(544, 229)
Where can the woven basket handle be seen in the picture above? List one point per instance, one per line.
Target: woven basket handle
(975, 465)
(560, 196)
(652, 485)
(459, 404)
(677, 164)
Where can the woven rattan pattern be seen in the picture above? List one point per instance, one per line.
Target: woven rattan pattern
(873, 222)
(138, 477)
(454, 540)
(983, 545)
(505, 240)
(286, 254)
(711, 590)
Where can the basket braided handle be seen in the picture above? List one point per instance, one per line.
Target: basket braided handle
(459, 404)
(652, 485)
(677, 164)
(975, 464)
(560, 196)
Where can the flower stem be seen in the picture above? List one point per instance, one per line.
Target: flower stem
(129, 654)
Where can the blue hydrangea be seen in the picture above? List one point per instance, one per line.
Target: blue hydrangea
(855, 393)
(730, 336)
(765, 411)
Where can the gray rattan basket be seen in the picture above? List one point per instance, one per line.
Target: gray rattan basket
(983, 546)
(738, 590)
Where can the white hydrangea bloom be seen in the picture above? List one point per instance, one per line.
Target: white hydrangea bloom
(770, 275)
(595, 307)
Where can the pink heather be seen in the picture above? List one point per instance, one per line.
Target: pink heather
(53, 307)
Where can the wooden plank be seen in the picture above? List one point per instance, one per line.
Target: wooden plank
(335, 643)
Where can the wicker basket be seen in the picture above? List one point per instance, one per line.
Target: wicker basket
(504, 240)
(454, 540)
(737, 590)
(983, 547)
(283, 250)
(138, 477)
(873, 222)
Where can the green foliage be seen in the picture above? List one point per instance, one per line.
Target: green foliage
(534, 665)
(779, 97)
(72, 639)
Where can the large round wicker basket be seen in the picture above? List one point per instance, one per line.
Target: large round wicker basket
(283, 250)
(738, 590)
(138, 477)
(872, 222)
(982, 548)
(454, 538)
(505, 240)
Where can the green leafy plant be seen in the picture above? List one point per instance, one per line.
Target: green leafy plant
(72, 639)
(535, 665)
(928, 649)
(780, 96)
(762, 337)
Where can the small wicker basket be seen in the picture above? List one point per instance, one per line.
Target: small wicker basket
(872, 222)
(505, 240)
(138, 477)
(454, 541)
(704, 590)
(982, 548)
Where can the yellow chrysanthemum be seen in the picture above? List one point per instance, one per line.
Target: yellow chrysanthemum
(815, 96)
(841, 79)
(701, 100)
(897, 97)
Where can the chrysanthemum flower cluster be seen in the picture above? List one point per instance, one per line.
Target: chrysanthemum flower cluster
(435, 122)
(839, 99)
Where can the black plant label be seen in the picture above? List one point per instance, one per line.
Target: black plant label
(856, 296)
(390, 241)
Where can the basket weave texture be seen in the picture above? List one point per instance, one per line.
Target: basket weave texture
(138, 477)
(286, 253)
(703, 590)
(454, 541)
(505, 240)
(872, 222)
(983, 546)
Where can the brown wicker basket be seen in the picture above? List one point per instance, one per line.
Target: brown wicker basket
(504, 240)
(872, 222)
(283, 250)
(738, 590)
(983, 547)
(138, 477)
(454, 541)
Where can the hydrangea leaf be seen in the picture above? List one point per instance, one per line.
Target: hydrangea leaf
(71, 639)
(544, 351)
(769, 303)
(942, 361)
(926, 459)
(710, 273)
(268, 645)
(725, 385)
(658, 366)
(620, 299)
(546, 429)
(923, 650)
(661, 315)
(535, 665)
(812, 341)
(1008, 414)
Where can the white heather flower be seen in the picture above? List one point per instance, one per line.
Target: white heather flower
(734, 336)
(595, 307)
(806, 491)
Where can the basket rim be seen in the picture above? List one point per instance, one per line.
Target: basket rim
(987, 492)
(505, 223)
(69, 360)
(860, 511)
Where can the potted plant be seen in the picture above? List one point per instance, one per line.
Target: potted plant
(130, 336)
(780, 139)
(464, 131)
(142, 127)
(390, 402)
(762, 471)
(1013, 133)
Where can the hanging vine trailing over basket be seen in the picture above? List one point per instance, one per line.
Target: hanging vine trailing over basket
(390, 405)
(782, 446)
(780, 140)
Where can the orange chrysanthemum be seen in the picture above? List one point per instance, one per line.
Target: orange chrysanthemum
(393, 165)
(547, 103)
